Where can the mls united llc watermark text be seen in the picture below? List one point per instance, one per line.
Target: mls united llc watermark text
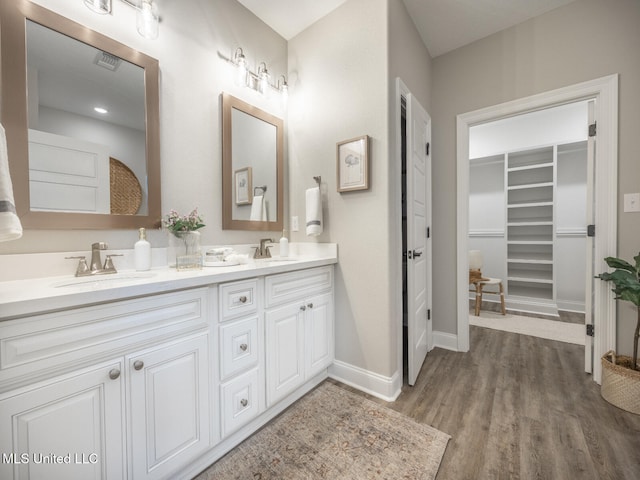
(50, 458)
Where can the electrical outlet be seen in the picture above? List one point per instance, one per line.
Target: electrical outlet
(632, 202)
(294, 224)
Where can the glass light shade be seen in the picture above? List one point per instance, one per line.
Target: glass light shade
(99, 6)
(147, 20)
(263, 79)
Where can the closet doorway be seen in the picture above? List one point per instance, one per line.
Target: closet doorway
(528, 217)
(604, 94)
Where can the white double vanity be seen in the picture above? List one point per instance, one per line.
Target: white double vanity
(149, 375)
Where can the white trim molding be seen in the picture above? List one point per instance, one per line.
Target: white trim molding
(605, 91)
(385, 388)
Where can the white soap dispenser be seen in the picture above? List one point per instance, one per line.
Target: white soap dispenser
(284, 245)
(142, 252)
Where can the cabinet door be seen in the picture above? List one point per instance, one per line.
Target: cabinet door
(318, 324)
(285, 351)
(169, 408)
(68, 428)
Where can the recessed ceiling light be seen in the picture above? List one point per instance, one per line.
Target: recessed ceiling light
(101, 110)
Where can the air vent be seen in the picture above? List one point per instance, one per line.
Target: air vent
(108, 61)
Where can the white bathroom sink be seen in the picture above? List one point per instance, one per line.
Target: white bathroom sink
(106, 279)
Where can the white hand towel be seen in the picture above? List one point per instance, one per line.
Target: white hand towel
(258, 209)
(10, 226)
(314, 212)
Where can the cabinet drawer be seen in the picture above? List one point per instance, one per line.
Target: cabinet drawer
(240, 401)
(288, 287)
(47, 341)
(238, 346)
(238, 298)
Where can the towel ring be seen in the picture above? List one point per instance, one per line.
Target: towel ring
(263, 188)
(318, 180)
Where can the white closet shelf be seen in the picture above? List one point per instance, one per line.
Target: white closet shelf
(530, 204)
(530, 222)
(530, 167)
(532, 259)
(529, 242)
(545, 281)
(530, 185)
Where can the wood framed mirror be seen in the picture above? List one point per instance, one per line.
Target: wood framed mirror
(252, 167)
(61, 152)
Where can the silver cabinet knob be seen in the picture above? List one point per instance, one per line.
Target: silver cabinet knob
(310, 305)
(243, 299)
(244, 402)
(244, 347)
(303, 308)
(138, 364)
(114, 373)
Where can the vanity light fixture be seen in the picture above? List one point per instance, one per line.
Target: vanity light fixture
(263, 79)
(147, 18)
(241, 67)
(283, 87)
(260, 82)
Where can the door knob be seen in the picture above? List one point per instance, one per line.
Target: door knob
(138, 364)
(416, 254)
(114, 373)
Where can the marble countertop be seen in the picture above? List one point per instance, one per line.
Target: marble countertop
(19, 298)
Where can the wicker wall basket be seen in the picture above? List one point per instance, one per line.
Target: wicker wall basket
(620, 385)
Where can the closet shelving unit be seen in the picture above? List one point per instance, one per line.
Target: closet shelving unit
(530, 179)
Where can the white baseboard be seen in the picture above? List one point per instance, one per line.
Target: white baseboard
(448, 341)
(385, 388)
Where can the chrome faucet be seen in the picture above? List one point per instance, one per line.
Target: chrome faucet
(96, 261)
(96, 267)
(263, 250)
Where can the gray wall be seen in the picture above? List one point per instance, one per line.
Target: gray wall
(581, 41)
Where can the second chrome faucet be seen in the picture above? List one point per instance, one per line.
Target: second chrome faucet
(262, 251)
(96, 267)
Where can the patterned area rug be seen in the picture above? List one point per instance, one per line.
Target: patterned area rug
(334, 434)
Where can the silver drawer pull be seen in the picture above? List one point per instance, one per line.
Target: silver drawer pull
(310, 305)
(138, 364)
(244, 347)
(303, 308)
(244, 402)
(243, 299)
(114, 373)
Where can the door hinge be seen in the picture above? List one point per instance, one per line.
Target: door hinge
(428, 314)
(590, 330)
(592, 129)
(428, 232)
(591, 230)
(426, 149)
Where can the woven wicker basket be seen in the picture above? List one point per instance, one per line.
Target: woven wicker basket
(620, 385)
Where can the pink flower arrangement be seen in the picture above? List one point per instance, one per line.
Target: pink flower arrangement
(175, 222)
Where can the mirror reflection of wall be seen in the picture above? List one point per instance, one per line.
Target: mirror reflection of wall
(254, 147)
(252, 167)
(527, 207)
(70, 142)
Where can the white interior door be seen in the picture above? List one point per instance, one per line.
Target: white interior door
(590, 260)
(418, 236)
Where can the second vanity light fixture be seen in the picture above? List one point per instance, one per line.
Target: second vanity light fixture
(147, 18)
(260, 81)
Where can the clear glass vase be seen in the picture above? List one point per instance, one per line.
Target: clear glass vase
(184, 252)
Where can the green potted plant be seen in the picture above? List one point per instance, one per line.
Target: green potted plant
(621, 374)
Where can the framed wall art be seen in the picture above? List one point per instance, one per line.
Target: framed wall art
(352, 167)
(242, 182)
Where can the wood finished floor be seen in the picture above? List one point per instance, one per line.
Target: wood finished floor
(520, 407)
